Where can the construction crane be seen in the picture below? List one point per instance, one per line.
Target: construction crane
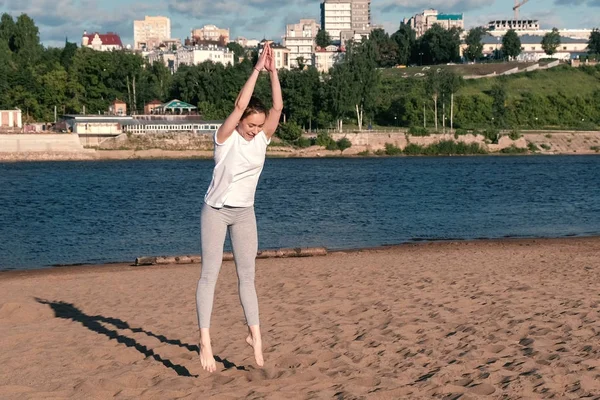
(518, 5)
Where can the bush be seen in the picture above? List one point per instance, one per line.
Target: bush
(343, 144)
(461, 132)
(364, 153)
(418, 131)
(323, 139)
(332, 145)
(545, 146)
(515, 135)
(513, 150)
(445, 147)
(303, 142)
(492, 135)
(532, 147)
(289, 131)
(413, 149)
(392, 150)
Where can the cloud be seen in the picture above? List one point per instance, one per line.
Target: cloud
(442, 5)
(57, 19)
(569, 3)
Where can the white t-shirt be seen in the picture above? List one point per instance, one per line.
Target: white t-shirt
(238, 164)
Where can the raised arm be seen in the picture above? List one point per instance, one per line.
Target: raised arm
(242, 100)
(272, 120)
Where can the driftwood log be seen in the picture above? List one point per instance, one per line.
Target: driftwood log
(194, 259)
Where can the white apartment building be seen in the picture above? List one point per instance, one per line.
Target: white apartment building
(199, 54)
(531, 47)
(190, 56)
(247, 43)
(336, 17)
(300, 40)
(210, 33)
(325, 59)
(421, 23)
(527, 27)
(151, 32)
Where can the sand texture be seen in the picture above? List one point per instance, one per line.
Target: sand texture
(498, 320)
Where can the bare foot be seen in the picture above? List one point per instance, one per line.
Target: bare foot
(206, 355)
(254, 340)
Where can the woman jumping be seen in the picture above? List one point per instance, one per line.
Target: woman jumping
(240, 149)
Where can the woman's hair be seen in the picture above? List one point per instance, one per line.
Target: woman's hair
(255, 106)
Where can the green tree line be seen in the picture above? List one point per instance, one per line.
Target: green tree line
(72, 79)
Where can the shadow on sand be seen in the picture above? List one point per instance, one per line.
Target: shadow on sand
(94, 323)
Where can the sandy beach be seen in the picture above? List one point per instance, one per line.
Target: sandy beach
(496, 319)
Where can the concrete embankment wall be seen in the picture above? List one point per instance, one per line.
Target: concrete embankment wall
(54, 143)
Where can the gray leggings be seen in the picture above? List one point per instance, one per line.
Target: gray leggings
(214, 223)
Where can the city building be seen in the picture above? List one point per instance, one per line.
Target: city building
(101, 42)
(300, 40)
(151, 106)
(361, 16)
(421, 23)
(199, 54)
(516, 24)
(531, 47)
(346, 19)
(10, 119)
(324, 59)
(247, 43)
(498, 28)
(151, 32)
(117, 107)
(336, 16)
(210, 33)
(191, 55)
(166, 57)
(281, 54)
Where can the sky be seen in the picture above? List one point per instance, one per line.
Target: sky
(258, 19)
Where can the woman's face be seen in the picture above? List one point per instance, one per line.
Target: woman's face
(251, 126)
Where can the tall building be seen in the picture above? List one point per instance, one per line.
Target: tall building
(336, 17)
(210, 33)
(361, 15)
(421, 23)
(300, 39)
(151, 32)
(346, 19)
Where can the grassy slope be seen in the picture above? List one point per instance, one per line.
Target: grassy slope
(570, 81)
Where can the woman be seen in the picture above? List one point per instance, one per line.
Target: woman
(240, 148)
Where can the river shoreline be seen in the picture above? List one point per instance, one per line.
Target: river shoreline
(159, 154)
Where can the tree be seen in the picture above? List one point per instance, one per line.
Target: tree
(386, 49)
(450, 83)
(474, 50)
(498, 94)
(551, 41)
(434, 87)
(289, 131)
(323, 39)
(301, 62)
(594, 42)
(360, 58)
(343, 144)
(439, 45)
(26, 40)
(405, 38)
(511, 44)
(238, 51)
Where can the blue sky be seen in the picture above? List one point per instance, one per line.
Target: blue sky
(256, 19)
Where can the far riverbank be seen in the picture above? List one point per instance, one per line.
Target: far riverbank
(364, 144)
